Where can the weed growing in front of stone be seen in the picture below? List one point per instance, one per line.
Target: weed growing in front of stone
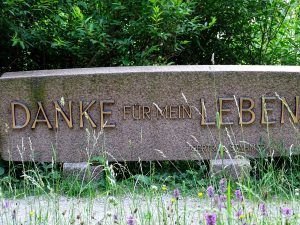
(153, 193)
(163, 204)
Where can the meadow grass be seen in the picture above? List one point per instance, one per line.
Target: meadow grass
(152, 193)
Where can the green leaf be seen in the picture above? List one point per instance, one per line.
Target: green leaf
(1, 171)
(229, 210)
(98, 159)
(185, 42)
(212, 22)
(143, 179)
(221, 150)
(88, 19)
(218, 120)
(77, 12)
(22, 44)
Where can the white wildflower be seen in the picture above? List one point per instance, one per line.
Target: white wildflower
(154, 188)
(62, 101)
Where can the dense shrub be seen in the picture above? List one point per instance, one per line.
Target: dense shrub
(49, 34)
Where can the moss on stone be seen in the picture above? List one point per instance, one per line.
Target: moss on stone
(153, 85)
(37, 90)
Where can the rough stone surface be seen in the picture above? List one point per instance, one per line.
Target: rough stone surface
(147, 139)
(82, 171)
(234, 168)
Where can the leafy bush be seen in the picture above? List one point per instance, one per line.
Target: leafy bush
(58, 34)
(48, 34)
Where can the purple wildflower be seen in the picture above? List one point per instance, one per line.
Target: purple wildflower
(221, 205)
(239, 213)
(214, 200)
(210, 191)
(223, 198)
(176, 193)
(211, 219)
(223, 185)
(131, 220)
(287, 212)
(232, 203)
(263, 209)
(239, 195)
(220, 201)
(5, 204)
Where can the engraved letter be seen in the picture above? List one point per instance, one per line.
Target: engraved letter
(204, 115)
(221, 110)
(265, 109)
(146, 111)
(138, 109)
(186, 111)
(172, 112)
(293, 115)
(58, 109)
(14, 126)
(45, 120)
(105, 112)
(162, 112)
(249, 110)
(86, 114)
(125, 111)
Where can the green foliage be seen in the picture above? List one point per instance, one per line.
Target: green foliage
(58, 34)
(49, 34)
(249, 32)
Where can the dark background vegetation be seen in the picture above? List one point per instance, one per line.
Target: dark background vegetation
(49, 34)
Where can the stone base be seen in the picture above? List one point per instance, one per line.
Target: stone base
(82, 171)
(234, 168)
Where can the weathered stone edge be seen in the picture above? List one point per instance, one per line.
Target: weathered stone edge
(150, 69)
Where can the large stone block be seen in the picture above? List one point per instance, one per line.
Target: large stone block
(149, 113)
(233, 168)
(83, 171)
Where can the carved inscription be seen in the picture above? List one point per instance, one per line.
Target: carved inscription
(138, 112)
(41, 116)
(236, 147)
(223, 105)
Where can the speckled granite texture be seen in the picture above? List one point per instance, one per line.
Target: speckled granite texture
(147, 139)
